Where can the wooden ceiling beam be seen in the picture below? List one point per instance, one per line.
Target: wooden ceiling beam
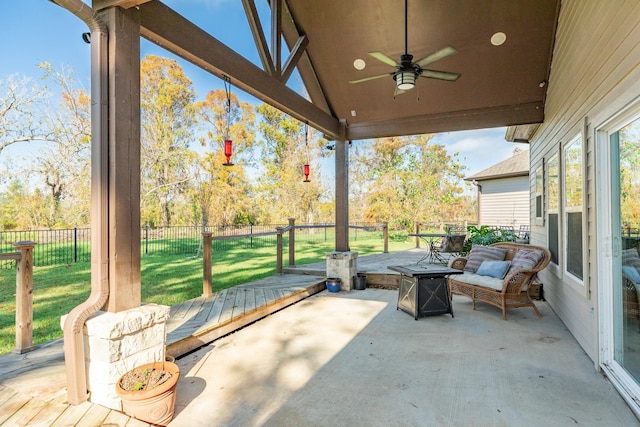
(125, 4)
(168, 29)
(452, 121)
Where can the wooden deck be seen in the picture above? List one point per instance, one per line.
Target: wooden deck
(199, 321)
(26, 399)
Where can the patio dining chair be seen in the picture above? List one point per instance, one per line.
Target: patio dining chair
(450, 245)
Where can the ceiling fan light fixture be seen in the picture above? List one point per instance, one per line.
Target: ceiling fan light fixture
(405, 80)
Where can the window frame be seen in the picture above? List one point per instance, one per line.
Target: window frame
(554, 157)
(568, 276)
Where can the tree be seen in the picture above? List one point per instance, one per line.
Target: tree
(19, 98)
(64, 161)
(285, 149)
(406, 180)
(223, 192)
(167, 118)
(629, 153)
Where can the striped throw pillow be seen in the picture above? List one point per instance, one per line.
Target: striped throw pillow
(525, 259)
(481, 253)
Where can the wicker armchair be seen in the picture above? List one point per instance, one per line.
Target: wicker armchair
(514, 292)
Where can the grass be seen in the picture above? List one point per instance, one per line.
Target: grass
(166, 280)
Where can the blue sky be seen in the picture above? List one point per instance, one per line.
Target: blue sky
(32, 31)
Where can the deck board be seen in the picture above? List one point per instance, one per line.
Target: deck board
(238, 304)
(216, 309)
(179, 311)
(250, 299)
(26, 413)
(72, 415)
(11, 405)
(227, 305)
(260, 297)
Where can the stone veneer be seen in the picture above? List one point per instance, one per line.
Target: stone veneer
(117, 342)
(343, 265)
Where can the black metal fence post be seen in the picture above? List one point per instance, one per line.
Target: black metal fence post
(75, 244)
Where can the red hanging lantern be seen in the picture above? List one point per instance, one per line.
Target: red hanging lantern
(306, 173)
(228, 149)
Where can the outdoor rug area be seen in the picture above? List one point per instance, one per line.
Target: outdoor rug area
(352, 359)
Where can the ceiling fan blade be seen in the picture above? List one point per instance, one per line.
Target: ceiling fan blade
(366, 79)
(382, 57)
(440, 75)
(436, 56)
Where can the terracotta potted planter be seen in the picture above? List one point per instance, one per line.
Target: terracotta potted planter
(148, 392)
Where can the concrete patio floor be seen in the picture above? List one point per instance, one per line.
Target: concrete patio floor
(352, 359)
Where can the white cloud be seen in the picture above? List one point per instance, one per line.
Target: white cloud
(479, 149)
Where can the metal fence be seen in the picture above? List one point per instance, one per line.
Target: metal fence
(68, 246)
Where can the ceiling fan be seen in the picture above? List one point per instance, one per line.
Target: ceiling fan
(406, 72)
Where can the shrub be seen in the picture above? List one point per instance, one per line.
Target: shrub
(486, 235)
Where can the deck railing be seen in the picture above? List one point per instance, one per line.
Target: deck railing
(70, 246)
(279, 232)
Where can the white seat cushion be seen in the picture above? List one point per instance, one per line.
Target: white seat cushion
(476, 279)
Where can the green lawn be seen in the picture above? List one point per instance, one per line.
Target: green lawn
(166, 280)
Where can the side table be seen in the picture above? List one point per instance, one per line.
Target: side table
(424, 290)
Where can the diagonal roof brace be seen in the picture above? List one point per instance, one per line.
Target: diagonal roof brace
(258, 36)
(272, 59)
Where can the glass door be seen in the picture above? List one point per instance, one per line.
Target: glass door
(625, 222)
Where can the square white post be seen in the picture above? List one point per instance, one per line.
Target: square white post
(343, 265)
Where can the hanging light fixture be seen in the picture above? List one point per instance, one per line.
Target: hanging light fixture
(228, 144)
(306, 169)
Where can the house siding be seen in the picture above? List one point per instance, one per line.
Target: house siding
(595, 73)
(505, 202)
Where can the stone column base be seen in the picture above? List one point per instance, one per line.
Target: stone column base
(118, 342)
(343, 265)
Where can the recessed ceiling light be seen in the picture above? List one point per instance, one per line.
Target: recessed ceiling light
(498, 38)
(359, 64)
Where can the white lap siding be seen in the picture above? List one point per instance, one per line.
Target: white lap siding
(595, 74)
(505, 202)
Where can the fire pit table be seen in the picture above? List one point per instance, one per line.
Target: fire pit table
(424, 290)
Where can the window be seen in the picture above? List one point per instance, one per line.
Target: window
(539, 196)
(573, 202)
(553, 207)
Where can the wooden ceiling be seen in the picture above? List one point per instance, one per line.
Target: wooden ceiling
(499, 85)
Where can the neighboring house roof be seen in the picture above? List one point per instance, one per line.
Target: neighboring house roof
(518, 165)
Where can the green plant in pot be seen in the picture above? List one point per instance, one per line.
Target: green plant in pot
(148, 392)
